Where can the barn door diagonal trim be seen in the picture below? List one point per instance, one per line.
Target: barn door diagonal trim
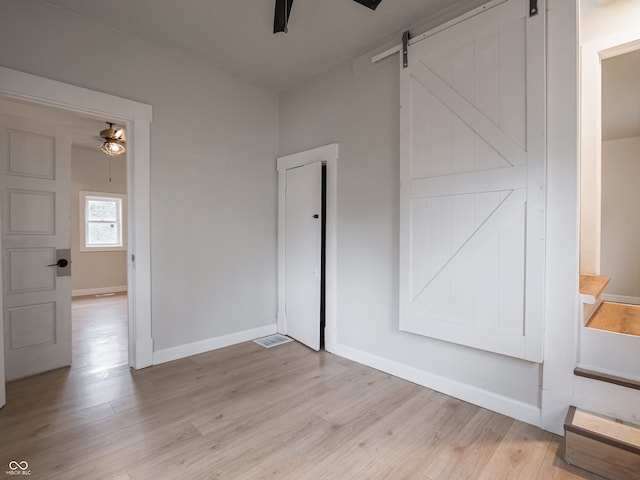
(485, 233)
(469, 114)
(483, 181)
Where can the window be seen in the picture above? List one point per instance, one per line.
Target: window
(102, 225)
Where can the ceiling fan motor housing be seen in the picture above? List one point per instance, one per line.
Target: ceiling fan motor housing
(283, 11)
(372, 4)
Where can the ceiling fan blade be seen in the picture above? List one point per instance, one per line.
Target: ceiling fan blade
(372, 4)
(281, 18)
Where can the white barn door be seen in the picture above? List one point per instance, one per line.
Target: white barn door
(35, 185)
(472, 183)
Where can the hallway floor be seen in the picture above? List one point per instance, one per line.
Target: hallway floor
(99, 332)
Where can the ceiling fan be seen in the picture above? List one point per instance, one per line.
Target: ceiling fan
(283, 10)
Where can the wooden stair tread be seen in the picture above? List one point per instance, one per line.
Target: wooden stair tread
(593, 285)
(602, 445)
(616, 317)
(602, 426)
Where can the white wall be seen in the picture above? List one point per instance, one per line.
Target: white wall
(90, 172)
(620, 256)
(601, 18)
(213, 177)
(357, 106)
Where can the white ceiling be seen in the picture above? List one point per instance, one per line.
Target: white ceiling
(236, 35)
(621, 96)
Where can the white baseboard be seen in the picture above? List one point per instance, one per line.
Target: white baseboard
(607, 297)
(187, 350)
(98, 291)
(468, 393)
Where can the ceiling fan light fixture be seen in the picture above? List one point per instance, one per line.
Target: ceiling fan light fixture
(114, 143)
(112, 147)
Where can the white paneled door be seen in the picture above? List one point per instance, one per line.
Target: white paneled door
(472, 183)
(35, 186)
(303, 243)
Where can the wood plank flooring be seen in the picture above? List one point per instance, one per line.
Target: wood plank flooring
(617, 317)
(100, 331)
(246, 412)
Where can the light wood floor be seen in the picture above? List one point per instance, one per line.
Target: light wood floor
(617, 317)
(100, 332)
(246, 412)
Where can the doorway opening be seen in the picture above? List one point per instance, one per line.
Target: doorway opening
(33, 90)
(312, 175)
(609, 225)
(54, 154)
(99, 255)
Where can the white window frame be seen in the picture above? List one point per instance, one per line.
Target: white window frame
(122, 220)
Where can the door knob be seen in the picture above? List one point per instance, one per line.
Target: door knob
(63, 262)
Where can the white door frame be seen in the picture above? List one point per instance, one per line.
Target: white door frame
(137, 117)
(327, 155)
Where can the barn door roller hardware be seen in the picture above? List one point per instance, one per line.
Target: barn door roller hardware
(406, 36)
(533, 7)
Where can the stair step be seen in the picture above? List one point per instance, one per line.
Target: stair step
(602, 445)
(606, 377)
(616, 317)
(591, 288)
(593, 285)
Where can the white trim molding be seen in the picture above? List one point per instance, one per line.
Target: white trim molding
(136, 117)
(215, 343)
(327, 155)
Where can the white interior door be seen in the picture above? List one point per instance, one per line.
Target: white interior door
(35, 186)
(303, 243)
(472, 183)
